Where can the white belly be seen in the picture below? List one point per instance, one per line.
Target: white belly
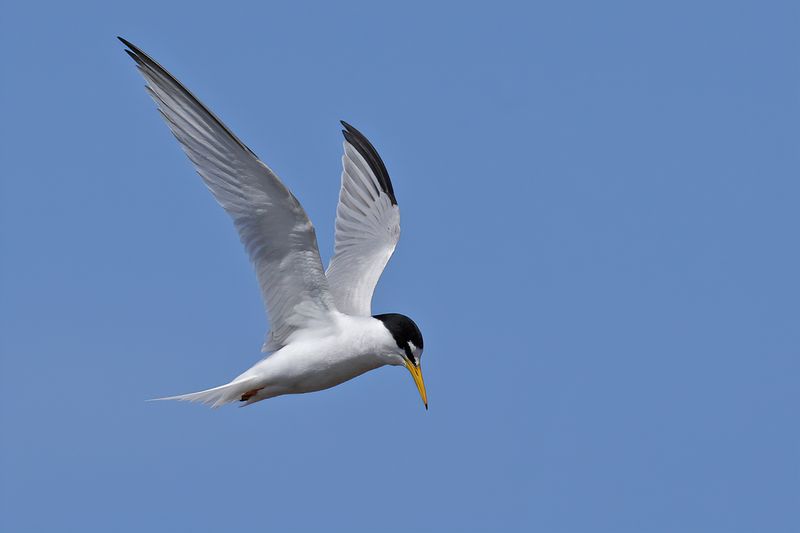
(319, 362)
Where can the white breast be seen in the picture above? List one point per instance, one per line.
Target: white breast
(324, 358)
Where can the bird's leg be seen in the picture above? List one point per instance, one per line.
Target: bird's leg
(249, 394)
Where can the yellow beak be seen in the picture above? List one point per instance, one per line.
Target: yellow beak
(416, 373)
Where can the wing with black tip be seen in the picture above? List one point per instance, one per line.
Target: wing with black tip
(367, 225)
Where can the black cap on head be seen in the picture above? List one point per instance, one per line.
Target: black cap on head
(404, 330)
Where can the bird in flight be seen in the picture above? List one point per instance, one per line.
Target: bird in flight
(322, 331)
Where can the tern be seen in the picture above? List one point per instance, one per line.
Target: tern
(322, 331)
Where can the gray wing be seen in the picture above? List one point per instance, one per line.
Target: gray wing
(367, 225)
(272, 224)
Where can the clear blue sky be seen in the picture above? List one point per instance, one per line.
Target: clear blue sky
(600, 207)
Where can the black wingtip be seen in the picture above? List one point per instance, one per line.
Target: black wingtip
(131, 50)
(132, 55)
(360, 142)
(126, 43)
(147, 63)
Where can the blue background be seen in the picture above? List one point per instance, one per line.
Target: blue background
(600, 244)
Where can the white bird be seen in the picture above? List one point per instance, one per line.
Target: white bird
(322, 332)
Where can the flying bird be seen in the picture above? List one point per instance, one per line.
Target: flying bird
(322, 331)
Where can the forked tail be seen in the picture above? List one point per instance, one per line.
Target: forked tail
(218, 396)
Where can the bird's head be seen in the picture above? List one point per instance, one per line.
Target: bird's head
(407, 348)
